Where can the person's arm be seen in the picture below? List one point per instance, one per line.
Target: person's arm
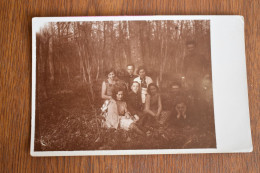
(147, 106)
(159, 106)
(103, 92)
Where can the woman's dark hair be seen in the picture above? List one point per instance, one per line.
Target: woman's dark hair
(152, 85)
(141, 68)
(109, 71)
(115, 92)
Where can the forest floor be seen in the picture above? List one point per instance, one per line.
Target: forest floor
(67, 122)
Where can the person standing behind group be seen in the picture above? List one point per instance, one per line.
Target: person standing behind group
(144, 81)
(130, 77)
(195, 65)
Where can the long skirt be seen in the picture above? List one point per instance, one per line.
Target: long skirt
(125, 122)
(110, 114)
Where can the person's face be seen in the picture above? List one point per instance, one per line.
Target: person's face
(135, 87)
(181, 108)
(119, 95)
(130, 70)
(111, 75)
(142, 73)
(190, 48)
(153, 90)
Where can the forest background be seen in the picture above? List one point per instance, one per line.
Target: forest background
(72, 58)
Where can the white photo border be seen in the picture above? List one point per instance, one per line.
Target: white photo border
(229, 78)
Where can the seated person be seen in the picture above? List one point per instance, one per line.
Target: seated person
(126, 121)
(182, 111)
(134, 102)
(144, 81)
(108, 85)
(153, 106)
(110, 114)
(130, 77)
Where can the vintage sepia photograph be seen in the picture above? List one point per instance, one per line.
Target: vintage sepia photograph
(124, 85)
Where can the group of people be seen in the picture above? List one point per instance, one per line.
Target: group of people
(133, 104)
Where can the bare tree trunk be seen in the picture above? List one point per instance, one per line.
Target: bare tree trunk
(165, 51)
(50, 60)
(135, 44)
(98, 68)
(82, 67)
(104, 47)
(127, 46)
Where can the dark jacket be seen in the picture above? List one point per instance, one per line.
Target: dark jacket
(134, 103)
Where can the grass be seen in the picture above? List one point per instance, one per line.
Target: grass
(67, 122)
